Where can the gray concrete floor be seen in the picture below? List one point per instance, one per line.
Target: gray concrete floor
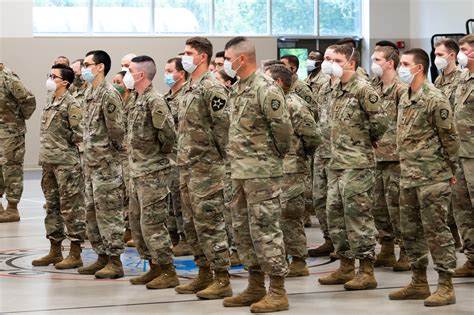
(45, 290)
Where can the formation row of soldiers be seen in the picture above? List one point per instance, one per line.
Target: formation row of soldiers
(385, 155)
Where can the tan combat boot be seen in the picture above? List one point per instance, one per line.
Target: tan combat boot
(100, 263)
(73, 260)
(403, 263)
(112, 270)
(365, 278)
(323, 250)
(203, 280)
(386, 257)
(343, 274)
(10, 214)
(167, 278)
(298, 267)
(54, 256)
(151, 274)
(234, 259)
(182, 249)
(444, 294)
(418, 288)
(254, 292)
(275, 300)
(466, 270)
(218, 289)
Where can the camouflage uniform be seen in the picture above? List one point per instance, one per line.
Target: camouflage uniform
(202, 137)
(17, 104)
(304, 141)
(356, 124)
(150, 137)
(62, 181)
(362, 74)
(386, 210)
(428, 147)
(259, 137)
(463, 201)
(103, 138)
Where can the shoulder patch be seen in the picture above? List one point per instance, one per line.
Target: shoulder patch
(217, 103)
(111, 108)
(275, 104)
(373, 98)
(444, 114)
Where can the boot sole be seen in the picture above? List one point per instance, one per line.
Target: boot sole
(366, 287)
(68, 267)
(116, 276)
(45, 264)
(215, 296)
(171, 285)
(334, 282)
(181, 291)
(424, 297)
(305, 274)
(266, 310)
(440, 304)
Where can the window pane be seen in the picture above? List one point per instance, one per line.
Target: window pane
(240, 17)
(121, 16)
(182, 16)
(339, 17)
(293, 17)
(55, 16)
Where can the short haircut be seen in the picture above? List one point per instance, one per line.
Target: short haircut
(100, 56)
(469, 39)
(347, 41)
(242, 45)
(317, 54)
(66, 73)
(292, 60)
(271, 63)
(450, 44)
(64, 57)
(122, 73)
(283, 73)
(220, 54)
(178, 63)
(202, 45)
(226, 77)
(389, 54)
(387, 43)
(80, 60)
(348, 51)
(146, 64)
(420, 57)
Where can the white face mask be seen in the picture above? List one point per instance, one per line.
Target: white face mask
(376, 69)
(337, 70)
(51, 85)
(129, 81)
(124, 69)
(405, 75)
(441, 63)
(462, 59)
(228, 69)
(326, 67)
(310, 65)
(188, 64)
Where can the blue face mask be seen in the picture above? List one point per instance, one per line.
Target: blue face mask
(169, 80)
(405, 75)
(87, 74)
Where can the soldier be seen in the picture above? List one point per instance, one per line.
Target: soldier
(202, 137)
(315, 59)
(304, 141)
(80, 85)
(103, 139)
(17, 104)
(62, 181)
(150, 138)
(361, 72)
(176, 79)
(125, 61)
(386, 210)
(259, 137)
(428, 147)
(356, 125)
(463, 199)
(61, 60)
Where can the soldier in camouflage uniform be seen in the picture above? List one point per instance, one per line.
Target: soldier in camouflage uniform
(259, 137)
(103, 139)
(150, 138)
(386, 210)
(80, 85)
(356, 124)
(428, 147)
(62, 181)
(463, 199)
(176, 79)
(305, 139)
(17, 104)
(313, 65)
(202, 137)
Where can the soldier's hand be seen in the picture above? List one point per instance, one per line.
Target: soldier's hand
(453, 180)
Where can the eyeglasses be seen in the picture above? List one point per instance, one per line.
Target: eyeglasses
(87, 65)
(53, 76)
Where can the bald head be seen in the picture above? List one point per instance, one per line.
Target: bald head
(242, 46)
(125, 63)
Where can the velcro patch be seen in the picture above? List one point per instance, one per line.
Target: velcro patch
(373, 98)
(217, 103)
(275, 104)
(444, 114)
(111, 108)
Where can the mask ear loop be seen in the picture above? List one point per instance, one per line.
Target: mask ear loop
(352, 55)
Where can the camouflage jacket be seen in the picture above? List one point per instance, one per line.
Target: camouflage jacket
(448, 85)
(323, 99)
(356, 124)
(386, 149)
(362, 74)
(173, 101)
(103, 125)
(305, 139)
(464, 114)
(203, 122)
(61, 131)
(151, 134)
(17, 104)
(426, 138)
(260, 128)
(303, 90)
(127, 106)
(317, 82)
(80, 94)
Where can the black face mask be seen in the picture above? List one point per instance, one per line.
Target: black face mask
(78, 81)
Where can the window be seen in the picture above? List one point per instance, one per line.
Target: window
(339, 17)
(240, 17)
(182, 16)
(119, 16)
(293, 17)
(54, 16)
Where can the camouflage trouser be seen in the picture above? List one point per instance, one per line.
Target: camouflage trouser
(63, 189)
(149, 206)
(293, 207)
(227, 210)
(12, 155)
(423, 214)
(104, 207)
(175, 218)
(256, 212)
(308, 192)
(463, 203)
(202, 202)
(126, 191)
(320, 192)
(386, 209)
(349, 210)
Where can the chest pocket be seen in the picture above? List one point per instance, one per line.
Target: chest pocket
(48, 117)
(348, 110)
(408, 117)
